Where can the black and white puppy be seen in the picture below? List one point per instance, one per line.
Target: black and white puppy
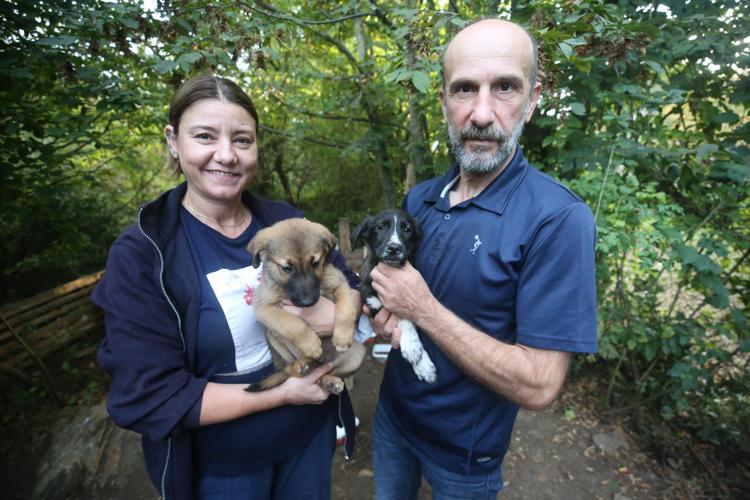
(392, 237)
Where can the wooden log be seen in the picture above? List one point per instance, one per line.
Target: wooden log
(9, 310)
(51, 346)
(36, 326)
(345, 244)
(41, 313)
(44, 338)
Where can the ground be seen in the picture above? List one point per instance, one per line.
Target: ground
(571, 450)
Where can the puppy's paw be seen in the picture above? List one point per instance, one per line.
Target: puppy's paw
(311, 346)
(411, 346)
(332, 384)
(425, 369)
(300, 367)
(342, 338)
(374, 303)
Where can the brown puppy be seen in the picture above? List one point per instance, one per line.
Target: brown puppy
(296, 256)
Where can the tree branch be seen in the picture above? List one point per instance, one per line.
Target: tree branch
(268, 10)
(307, 139)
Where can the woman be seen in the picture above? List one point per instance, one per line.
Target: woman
(181, 339)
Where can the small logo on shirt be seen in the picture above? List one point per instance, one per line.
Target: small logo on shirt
(477, 242)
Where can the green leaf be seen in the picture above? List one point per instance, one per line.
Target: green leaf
(655, 66)
(566, 49)
(131, 23)
(184, 25)
(185, 61)
(705, 150)
(575, 42)
(164, 66)
(577, 108)
(63, 40)
(729, 171)
(726, 117)
(421, 81)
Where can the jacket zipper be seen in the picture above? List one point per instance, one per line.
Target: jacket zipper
(179, 328)
(343, 426)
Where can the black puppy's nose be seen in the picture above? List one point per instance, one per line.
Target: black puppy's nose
(393, 248)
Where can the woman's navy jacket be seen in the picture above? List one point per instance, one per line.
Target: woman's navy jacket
(148, 294)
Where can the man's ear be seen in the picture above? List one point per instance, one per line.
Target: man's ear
(442, 104)
(536, 92)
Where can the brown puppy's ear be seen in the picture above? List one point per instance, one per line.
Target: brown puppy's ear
(258, 247)
(328, 244)
(360, 231)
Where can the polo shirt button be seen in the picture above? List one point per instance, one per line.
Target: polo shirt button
(447, 216)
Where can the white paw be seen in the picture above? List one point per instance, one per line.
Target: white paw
(425, 369)
(374, 303)
(413, 351)
(411, 346)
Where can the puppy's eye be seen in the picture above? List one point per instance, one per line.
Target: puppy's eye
(314, 264)
(380, 227)
(287, 269)
(407, 229)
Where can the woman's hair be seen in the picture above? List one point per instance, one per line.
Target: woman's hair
(205, 87)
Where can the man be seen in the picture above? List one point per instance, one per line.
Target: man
(502, 288)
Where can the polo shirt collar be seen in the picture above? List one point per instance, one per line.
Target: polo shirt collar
(495, 196)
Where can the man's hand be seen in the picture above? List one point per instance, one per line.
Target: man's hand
(385, 325)
(402, 291)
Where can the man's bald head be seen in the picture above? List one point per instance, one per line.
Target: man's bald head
(489, 32)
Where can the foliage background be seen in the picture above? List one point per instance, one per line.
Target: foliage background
(644, 114)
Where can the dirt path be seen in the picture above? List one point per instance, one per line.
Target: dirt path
(564, 452)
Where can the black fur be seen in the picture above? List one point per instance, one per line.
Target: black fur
(376, 232)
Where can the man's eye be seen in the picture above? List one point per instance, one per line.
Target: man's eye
(203, 136)
(463, 89)
(505, 87)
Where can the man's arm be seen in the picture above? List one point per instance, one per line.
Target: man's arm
(527, 376)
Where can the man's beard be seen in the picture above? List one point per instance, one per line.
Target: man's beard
(478, 161)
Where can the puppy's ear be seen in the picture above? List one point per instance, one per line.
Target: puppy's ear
(328, 243)
(360, 231)
(417, 235)
(417, 229)
(258, 247)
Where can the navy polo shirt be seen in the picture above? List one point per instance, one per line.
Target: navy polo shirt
(515, 262)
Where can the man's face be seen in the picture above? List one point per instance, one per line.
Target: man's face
(487, 97)
(480, 160)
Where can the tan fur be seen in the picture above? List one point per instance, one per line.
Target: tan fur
(304, 247)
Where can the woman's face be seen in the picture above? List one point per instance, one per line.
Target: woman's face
(217, 149)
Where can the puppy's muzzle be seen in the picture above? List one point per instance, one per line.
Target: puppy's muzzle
(393, 254)
(304, 291)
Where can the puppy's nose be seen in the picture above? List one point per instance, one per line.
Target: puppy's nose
(393, 248)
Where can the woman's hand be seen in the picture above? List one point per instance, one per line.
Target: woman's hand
(305, 390)
(318, 316)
